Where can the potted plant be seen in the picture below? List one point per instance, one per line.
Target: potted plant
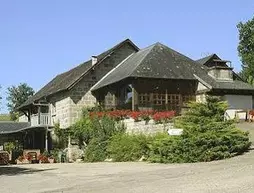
(22, 160)
(28, 157)
(43, 159)
(51, 159)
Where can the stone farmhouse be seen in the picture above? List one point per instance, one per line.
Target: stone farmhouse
(127, 77)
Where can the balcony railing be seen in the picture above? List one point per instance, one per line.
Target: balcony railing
(41, 119)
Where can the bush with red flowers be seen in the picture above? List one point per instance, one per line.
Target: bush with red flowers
(43, 158)
(146, 115)
(28, 157)
(117, 115)
(251, 112)
(135, 115)
(163, 117)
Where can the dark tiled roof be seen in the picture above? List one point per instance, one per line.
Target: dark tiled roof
(156, 61)
(204, 60)
(234, 85)
(67, 79)
(12, 127)
(159, 61)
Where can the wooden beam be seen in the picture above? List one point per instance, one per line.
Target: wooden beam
(39, 115)
(166, 99)
(133, 98)
(114, 100)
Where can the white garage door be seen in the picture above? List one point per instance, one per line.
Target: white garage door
(238, 102)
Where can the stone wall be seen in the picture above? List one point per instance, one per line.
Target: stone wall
(145, 128)
(67, 106)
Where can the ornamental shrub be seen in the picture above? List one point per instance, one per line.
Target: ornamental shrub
(206, 136)
(89, 127)
(95, 132)
(96, 150)
(127, 147)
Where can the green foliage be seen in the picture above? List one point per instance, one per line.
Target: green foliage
(9, 146)
(125, 147)
(163, 149)
(88, 128)
(96, 150)
(246, 49)
(83, 129)
(206, 136)
(203, 116)
(0, 97)
(55, 154)
(5, 117)
(207, 146)
(62, 136)
(17, 95)
(95, 132)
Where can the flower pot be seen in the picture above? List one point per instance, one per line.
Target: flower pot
(51, 160)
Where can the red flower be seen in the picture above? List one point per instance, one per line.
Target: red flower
(163, 116)
(251, 112)
(28, 157)
(43, 159)
(135, 115)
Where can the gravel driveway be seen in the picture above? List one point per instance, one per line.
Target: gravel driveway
(232, 175)
(235, 175)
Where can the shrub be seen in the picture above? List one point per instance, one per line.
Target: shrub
(126, 147)
(163, 149)
(163, 117)
(89, 127)
(95, 131)
(206, 136)
(117, 115)
(96, 150)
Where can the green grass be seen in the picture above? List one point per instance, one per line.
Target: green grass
(5, 117)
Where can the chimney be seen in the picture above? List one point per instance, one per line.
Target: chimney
(94, 60)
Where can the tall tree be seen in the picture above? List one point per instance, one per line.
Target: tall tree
(0, 97)
(17, 95)
(246, 49)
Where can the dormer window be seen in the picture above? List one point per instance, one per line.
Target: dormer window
(221, 73)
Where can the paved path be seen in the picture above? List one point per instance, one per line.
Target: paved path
(235, 175)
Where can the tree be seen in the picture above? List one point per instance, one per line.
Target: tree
(17, 95)
(0, 97)
(246, 49)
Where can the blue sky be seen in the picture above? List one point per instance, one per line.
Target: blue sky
(39, 39)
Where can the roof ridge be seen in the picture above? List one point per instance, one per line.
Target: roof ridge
(112, 71)
(104, 56)
(151, 47)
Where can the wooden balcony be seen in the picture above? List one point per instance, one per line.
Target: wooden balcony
(42, 119)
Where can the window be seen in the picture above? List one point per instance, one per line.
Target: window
(144, 98)
(159, 99)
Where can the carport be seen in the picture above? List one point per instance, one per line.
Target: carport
(25, 136)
